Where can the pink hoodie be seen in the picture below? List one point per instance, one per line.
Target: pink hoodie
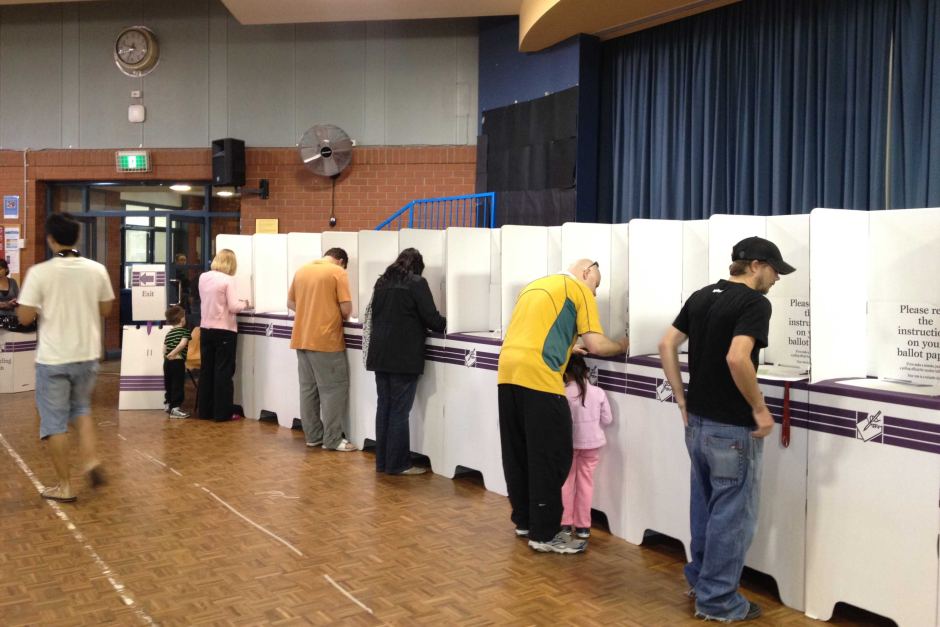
(587, 420)
(219, 301)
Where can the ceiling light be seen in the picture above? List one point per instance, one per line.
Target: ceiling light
(181, 187)
(225, 193)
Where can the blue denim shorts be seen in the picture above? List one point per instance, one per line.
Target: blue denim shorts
(63, 393)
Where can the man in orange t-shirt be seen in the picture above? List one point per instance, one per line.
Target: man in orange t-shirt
(319, 294)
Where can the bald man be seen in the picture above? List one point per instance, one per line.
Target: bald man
(534, 419)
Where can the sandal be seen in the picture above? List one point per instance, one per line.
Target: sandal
(55, 494)
(346, 446)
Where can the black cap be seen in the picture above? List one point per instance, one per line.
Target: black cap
(760, 249)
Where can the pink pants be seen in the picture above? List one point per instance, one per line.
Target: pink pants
(578, 491)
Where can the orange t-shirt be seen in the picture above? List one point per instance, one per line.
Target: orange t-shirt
(317, 290)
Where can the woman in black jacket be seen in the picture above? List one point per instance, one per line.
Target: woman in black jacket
(402, 311)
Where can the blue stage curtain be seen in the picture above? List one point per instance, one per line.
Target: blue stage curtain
(914, 167)
(760, 108)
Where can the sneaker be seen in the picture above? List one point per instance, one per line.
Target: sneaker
(176, 412)
(522, 533)
(561, 543)
(753, 611)
(345, 446)
(583, 532)
(317, 443)
(166, 407)
(414, 470)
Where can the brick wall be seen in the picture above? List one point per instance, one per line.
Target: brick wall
(378, 182)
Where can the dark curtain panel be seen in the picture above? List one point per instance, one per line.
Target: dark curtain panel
(762, 107)
(914, 168)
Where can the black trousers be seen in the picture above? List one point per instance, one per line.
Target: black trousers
(216, 389)
(395, 396)
(174, 378)
(535, 435)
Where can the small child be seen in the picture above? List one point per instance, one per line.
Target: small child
(589, 411)
(174, 361)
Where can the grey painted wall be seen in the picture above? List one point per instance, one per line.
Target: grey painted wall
(385, 83)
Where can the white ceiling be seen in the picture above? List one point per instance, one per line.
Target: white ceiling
(296, 11)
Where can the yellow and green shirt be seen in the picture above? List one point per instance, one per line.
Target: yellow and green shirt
(549, 315)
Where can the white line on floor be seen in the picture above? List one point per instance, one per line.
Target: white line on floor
(348, 596)
(80, 537)
(250, 521)
(122, 437)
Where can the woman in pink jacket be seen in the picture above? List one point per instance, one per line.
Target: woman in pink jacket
(589, 412)
(220, 303)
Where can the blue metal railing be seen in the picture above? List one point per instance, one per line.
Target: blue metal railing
(477, 210)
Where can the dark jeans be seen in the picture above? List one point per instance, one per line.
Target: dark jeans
(174, 378)
(396, 395)
(535, 435)
(215, 376)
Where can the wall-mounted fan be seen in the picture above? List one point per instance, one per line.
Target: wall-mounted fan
(326, 150)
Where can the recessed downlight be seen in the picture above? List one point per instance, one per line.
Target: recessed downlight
(181, 187)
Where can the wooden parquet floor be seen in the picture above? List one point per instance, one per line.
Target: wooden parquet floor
(241, 524)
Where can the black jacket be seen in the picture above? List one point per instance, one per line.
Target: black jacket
(401, 313)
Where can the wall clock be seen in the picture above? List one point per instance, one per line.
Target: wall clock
(136, 51)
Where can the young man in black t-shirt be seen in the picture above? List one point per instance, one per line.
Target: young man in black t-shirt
(726, 419)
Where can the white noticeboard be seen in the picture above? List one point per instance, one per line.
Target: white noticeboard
(243, 248)
(148, 292)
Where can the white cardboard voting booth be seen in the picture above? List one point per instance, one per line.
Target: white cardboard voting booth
(243, 247)
(17, 358)
(874, 448)
(431, 244)
(348, 241)
(302, 248)
(141, 384)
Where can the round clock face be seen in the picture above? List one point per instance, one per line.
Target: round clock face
(135, 51)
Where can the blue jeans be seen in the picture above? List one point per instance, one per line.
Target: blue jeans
(726, 470)
(396, 395)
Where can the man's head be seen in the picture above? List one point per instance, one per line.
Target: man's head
(62, 230)
(588, 272)
(758, 262)
(180, 259)
(337, 256)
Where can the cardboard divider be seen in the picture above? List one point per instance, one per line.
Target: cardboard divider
(269, 263)
(432, 246)
(302, 248)
(377, 250)
(243, 248)
(348, 241)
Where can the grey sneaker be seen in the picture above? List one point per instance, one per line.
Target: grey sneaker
(582, 532)
(176, 412)
(561, 543)
(753, 611)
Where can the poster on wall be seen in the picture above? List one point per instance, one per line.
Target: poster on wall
(11, 207)
(905, 341)
(11, 246)
(148, 292)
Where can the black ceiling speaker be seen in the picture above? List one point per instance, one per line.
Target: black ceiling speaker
(228, 162)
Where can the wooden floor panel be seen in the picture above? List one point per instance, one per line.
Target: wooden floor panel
(423, 550)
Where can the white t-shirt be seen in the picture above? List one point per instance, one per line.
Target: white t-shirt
(66, 291)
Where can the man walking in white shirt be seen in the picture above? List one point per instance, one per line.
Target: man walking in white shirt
(69, 295)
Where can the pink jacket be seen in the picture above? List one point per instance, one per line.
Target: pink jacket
(219, 301)
(587, 420)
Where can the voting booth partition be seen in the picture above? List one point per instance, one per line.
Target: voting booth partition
(874, 447)
(243, 247)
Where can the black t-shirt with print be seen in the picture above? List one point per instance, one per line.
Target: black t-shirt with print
(711, 318)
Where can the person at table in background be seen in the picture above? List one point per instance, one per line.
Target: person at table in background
(9, 291)
(402, 311)
(218, 337)
(70, 294)
(726, 421)
(534, 418)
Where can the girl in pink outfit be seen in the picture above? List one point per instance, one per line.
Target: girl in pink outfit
(589, 412)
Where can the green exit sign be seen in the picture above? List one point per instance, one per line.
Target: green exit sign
(133, 160)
